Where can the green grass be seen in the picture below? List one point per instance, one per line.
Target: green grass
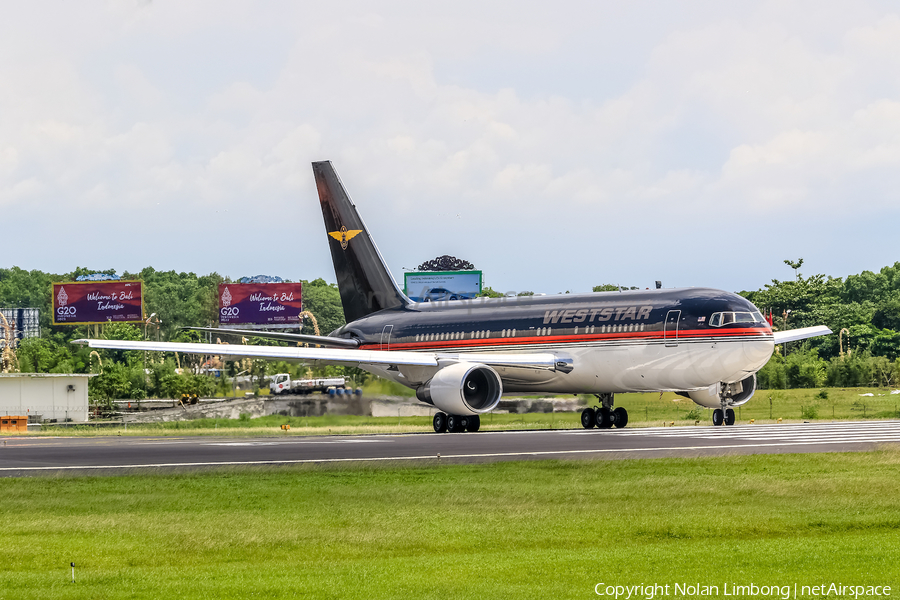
(325, 425)
(767, 406)
(508, 530)
(385, 387)
(649, 409)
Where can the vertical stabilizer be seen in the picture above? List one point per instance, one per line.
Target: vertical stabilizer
(365, 284)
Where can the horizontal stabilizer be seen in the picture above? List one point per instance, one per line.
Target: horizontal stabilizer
(792, 335)
(321, 340)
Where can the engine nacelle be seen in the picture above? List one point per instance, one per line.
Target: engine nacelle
(732, 394)
(463, 389)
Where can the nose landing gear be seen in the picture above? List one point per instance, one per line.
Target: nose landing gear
(723, 416)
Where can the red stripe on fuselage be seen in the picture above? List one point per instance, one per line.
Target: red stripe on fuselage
(748, 332)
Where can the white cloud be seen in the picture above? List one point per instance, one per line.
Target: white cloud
(501, 115)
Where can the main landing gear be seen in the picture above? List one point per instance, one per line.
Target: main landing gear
(456, 423)
(604, 416)
(723, 417)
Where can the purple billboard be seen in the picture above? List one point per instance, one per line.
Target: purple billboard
(260, 303)
(85, 302)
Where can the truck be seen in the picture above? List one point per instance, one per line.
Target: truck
(283, 384)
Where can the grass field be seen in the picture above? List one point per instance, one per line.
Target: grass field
(644, 410)
(507, 530)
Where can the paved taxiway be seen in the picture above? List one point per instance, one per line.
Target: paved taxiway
(20, 456)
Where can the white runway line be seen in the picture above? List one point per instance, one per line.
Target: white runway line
(298, 441)
(810, 433)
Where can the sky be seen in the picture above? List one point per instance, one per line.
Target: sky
(557, 146)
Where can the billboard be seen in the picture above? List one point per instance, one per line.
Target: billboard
(26, 322)
(432, 286)
(89, 302)
(260, 304)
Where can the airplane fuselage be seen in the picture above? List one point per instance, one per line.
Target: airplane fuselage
(645, 340)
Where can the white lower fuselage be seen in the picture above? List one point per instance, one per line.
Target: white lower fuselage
(628, 366)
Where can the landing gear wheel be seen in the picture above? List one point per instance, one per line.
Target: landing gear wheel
(621, 417)
(729, 416)
(718, 417)
(474, 424)
(453, 424)
(604, 418)
(588, 418)
(440, 422)
(464, 423)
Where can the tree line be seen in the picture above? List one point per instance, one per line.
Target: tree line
(863, 310)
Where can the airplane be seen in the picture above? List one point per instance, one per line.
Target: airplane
(461, 356)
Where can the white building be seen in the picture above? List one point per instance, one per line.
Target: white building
(58, 396)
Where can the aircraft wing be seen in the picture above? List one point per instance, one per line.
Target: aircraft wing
(338, 356)
(322, 340)
(792, 335)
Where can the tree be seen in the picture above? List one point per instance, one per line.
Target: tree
(850, 371)
(611, 287)
(52, 355)
(323, 300)
(800, 297)
(27, 289)
(795, 265)
(118, 382)
(887, 313)
(446, 263)
(805, 370)
(887, 344)
(772, 376)
(488, 292)
(174, 297)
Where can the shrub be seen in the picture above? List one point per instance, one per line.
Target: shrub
(805, 369)
(117, 382)
(810, 411)
(692, 415)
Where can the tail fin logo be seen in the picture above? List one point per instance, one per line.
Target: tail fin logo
(344, 235)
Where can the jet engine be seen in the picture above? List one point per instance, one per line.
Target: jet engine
(463, 389)
(729, 394)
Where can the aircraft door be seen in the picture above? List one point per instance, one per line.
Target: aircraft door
(670, 333)
(386, 337)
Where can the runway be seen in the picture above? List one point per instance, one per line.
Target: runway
(28, 456)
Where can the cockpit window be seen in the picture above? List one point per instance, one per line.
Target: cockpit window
(726, 318)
